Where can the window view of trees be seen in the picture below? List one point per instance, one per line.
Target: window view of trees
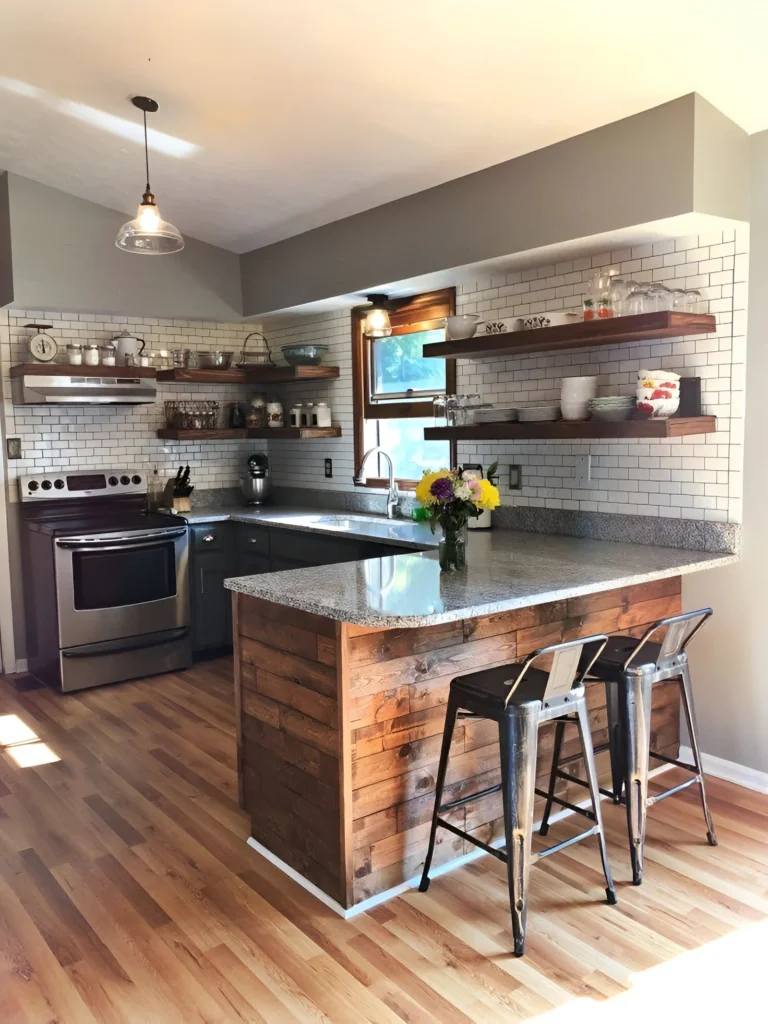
(398, 364)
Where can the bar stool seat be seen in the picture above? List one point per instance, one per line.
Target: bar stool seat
(616, 653)
(492, 684)
(519, 698)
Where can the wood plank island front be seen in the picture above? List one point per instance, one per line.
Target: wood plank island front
(340, 722)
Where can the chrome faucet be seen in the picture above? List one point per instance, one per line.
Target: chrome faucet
(393, 495)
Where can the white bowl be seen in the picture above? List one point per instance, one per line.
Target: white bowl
(575, 410)
(578, 389)
(461, 327)
(658, 407)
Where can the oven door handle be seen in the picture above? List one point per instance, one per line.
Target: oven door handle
(131, 643)
(120, 544)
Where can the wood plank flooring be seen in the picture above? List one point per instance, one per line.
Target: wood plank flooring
(127, 893)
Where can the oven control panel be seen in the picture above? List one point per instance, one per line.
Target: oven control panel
(92, 483)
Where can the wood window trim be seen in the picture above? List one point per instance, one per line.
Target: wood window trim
(417, 313)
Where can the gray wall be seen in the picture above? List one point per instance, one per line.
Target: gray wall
(65, 258)
(729, 659)
(6, 262)
(633, 171)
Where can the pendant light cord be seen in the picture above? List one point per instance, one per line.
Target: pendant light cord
(146, 150)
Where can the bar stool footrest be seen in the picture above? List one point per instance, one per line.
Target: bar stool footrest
(498, 854)
(565, 803)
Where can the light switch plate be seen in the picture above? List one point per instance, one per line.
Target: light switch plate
(515, 478)
(583, 470)
(328, 468)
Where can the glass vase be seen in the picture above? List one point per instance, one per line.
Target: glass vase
(453, 548)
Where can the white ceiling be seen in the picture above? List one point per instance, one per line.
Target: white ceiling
(304, 111)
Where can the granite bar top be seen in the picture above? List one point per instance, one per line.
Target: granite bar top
(506, 569)
(401, 533)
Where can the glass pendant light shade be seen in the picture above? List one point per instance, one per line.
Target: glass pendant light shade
(376, 323)
(148, 232)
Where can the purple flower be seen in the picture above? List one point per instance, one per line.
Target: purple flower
(442, 488)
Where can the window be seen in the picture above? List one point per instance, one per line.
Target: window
(394, 387)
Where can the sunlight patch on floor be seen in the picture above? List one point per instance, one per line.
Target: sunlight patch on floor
(24, 745)
(721, 980)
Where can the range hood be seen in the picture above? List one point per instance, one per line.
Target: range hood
(37, 389)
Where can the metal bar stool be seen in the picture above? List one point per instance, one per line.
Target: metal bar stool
(520, 697)
(629, 668)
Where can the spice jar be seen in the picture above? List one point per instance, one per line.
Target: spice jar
(75, 354)
(294, 416)
(321, 415)
(91, 355)
(275, 414)
(108, 355)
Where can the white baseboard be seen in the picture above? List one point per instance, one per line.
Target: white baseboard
(411, 883)
(741, 775)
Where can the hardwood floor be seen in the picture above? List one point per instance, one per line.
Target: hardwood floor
(127, 893)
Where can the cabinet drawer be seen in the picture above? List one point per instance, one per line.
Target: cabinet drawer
(252, 540)
(208, 536)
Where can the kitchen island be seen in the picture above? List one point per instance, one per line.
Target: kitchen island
(342, 674)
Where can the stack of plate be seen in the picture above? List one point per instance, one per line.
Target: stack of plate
(496, 415)
(613, 409)
(539, 413)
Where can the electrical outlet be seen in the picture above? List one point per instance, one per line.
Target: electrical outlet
(583, 470)
(329, 468)
(515, 478)
(13, 447)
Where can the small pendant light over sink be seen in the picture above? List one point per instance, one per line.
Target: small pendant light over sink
(376, 323)
(148, 232)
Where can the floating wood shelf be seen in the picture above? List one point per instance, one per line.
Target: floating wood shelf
(180, 434)
(583, 334)
(254, 375)
(189, 375)
(68, 370)
(575, 430)
(300, 433)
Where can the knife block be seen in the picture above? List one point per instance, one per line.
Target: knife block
(181, 505)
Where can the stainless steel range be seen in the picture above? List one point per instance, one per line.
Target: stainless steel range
(106, 592)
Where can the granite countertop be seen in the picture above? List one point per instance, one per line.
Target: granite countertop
(506, 569)
(402, 533)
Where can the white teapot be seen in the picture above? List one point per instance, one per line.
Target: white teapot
(128, 345)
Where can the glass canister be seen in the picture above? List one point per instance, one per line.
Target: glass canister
(75, 354)
(294, 416)
(306, 416)
(108, 355)
(256, 417)
(321, 415)
(275, 416)
(91, 355)
(619, 292)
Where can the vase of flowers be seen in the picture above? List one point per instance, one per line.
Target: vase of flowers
(451, 498)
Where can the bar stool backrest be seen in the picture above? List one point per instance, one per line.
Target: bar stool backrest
(681, 629)
(564, 669)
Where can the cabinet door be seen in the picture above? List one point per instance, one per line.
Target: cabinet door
(249, 565)
(211, 603)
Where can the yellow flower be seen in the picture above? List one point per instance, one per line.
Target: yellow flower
(489, 497)
(423, 493)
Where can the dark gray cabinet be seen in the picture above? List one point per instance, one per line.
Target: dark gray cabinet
(222, 550)
(210, 603)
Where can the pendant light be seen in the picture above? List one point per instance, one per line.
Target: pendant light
(148, 232)
(376, 323)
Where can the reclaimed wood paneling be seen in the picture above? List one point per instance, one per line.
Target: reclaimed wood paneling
(342, 726)
(291, 741)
